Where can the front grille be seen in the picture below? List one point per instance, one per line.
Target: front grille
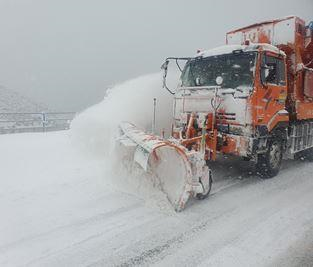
(225, 118)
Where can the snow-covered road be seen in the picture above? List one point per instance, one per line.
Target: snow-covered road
(58, 208)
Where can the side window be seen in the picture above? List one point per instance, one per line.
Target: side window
(273, 71)
(281, 72)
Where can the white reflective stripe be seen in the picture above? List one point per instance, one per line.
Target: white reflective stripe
(283, 112)
(279, 113)
(127, 142)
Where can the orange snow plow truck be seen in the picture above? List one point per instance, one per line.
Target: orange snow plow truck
(251, 98)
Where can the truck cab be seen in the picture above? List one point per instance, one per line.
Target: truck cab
(244, 87)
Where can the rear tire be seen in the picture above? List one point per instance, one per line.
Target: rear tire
(269, 163)
(307, 154)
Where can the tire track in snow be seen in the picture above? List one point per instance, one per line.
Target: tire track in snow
(150, 254)
(277, 189)
(93, 219)
(100, 237)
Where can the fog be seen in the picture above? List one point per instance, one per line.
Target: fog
(65, 53)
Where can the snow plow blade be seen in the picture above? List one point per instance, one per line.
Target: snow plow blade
(179, 173)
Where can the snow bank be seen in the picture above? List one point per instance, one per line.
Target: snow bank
(95, 130)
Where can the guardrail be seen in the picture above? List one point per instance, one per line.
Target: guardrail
(19, 122)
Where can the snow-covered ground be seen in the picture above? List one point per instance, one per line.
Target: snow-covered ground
(59, 208)
(65, 201)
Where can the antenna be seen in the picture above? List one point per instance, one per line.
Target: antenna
(154, 116)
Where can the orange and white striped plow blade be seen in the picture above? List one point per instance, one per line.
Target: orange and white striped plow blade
(180, 173)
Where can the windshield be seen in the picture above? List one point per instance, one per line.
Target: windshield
(237, 70)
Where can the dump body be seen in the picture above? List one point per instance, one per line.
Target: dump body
(292, 36)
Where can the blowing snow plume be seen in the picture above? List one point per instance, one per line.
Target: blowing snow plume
(95, 130)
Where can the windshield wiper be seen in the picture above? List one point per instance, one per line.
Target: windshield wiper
(239, 89)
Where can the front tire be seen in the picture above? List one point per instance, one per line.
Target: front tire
(269, 163)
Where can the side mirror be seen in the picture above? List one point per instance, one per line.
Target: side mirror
(219, 80)
(198, 81)
(265, 72)
(164, 67)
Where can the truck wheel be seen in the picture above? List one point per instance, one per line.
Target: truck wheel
(308, 154)
(269, 164)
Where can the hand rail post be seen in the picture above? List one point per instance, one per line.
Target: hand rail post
(43, 121)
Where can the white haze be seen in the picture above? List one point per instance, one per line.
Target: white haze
(67, 52)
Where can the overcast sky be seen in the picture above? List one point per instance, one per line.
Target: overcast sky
(67, 52)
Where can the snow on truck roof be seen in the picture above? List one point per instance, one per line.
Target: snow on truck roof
(228, 49)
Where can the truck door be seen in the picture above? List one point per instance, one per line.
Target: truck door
(273, 92)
